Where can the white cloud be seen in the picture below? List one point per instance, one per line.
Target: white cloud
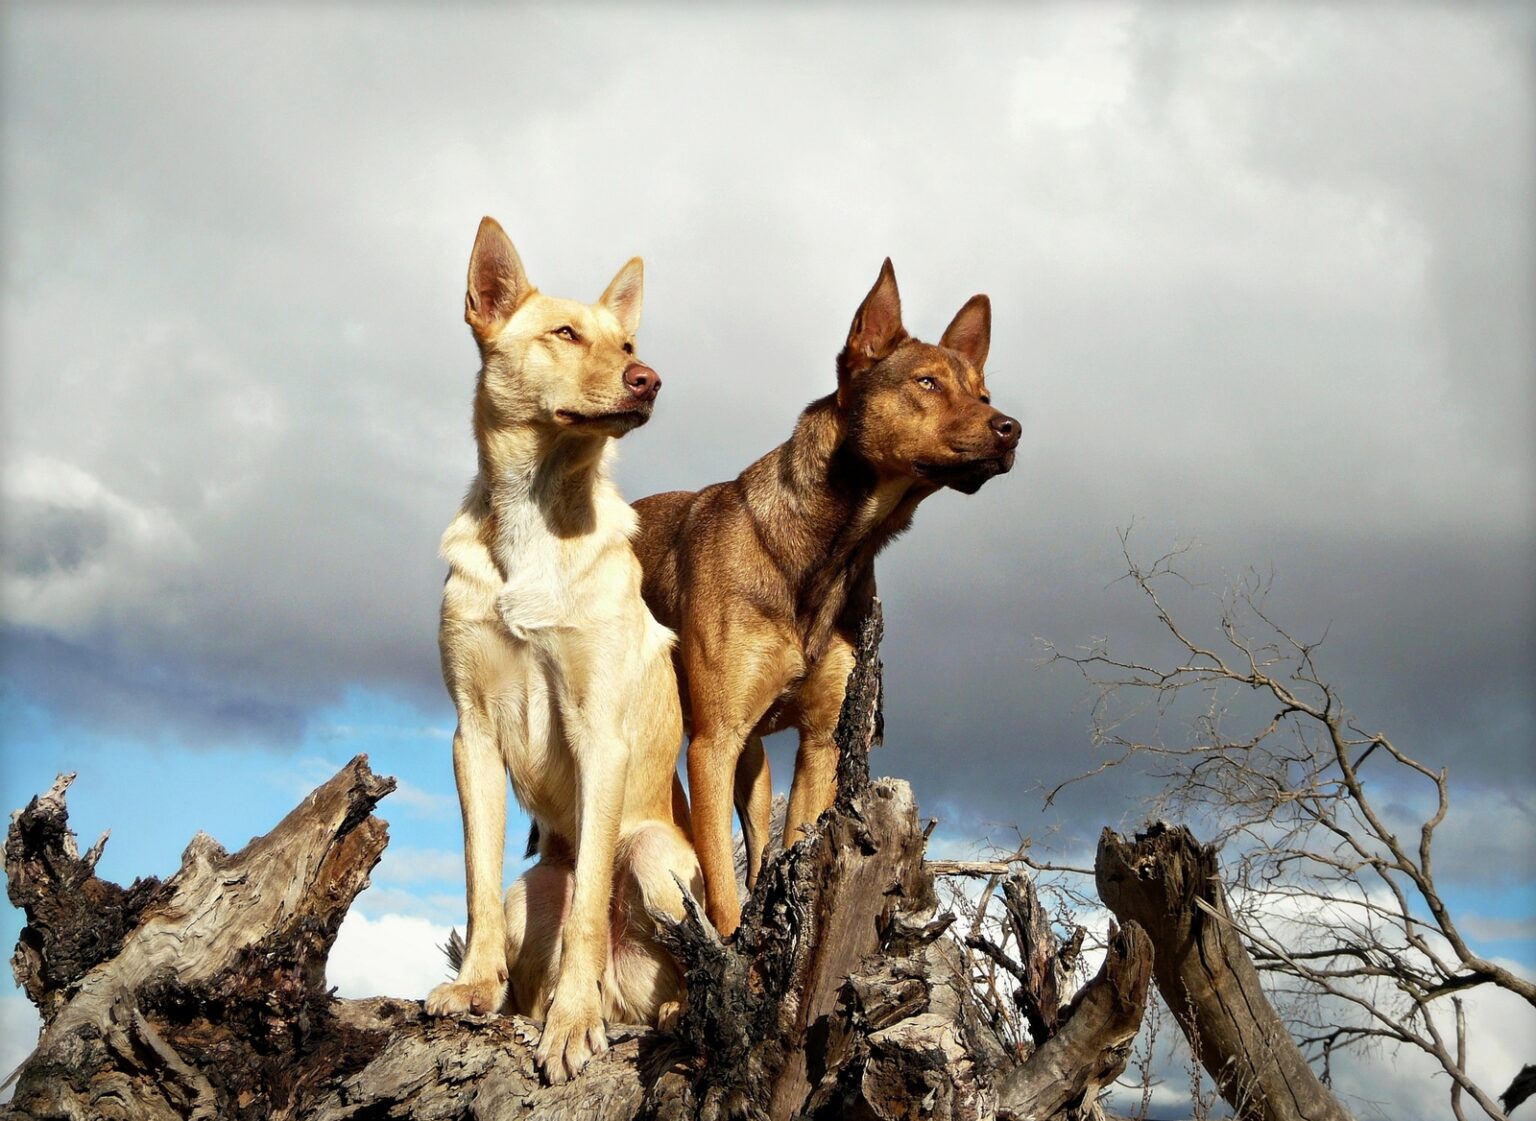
(1470, 854)
(1404, 1083)
(1477, 928)
(1074, 71)
(304, 774)
(438, 907)
(1384, 1081)
(425, 803)
(405, 865)
(392, 955)
(1381, 1083)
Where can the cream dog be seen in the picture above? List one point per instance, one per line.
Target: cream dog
(562, 678)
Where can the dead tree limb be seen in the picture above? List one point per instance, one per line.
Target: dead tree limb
(197, 1010)
(1090, 1048)
(1520, 1088)
(1170, 884)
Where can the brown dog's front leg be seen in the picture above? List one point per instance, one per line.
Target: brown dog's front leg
(712, 756)
(481, 985)
(574, 1029)
(754, 804)
(814, 787)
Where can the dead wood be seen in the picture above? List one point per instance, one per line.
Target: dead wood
(1520, 1088)
(1170, 884)
(201, 1007)
(1093, 1043)
(842, 995)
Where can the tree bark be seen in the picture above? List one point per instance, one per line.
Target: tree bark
(1170, 884)
(841, 996)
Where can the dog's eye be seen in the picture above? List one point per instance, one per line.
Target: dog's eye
(986, 398)
(567, 333)
(629, 348)
(927, 383)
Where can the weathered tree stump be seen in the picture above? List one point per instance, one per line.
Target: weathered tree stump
(1169, 883)
(841, 996)
(207, 986)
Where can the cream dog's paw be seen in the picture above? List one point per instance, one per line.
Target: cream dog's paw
(476, 996)
(667, 1016)
(573, 1033)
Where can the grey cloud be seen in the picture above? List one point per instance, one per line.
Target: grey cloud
(152, 695)
(53, 538)
(977, 723)
(1378, 110)
(1236, 295)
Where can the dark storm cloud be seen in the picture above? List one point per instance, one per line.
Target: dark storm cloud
(131, 697)
(1256, 274)
(1424, 641)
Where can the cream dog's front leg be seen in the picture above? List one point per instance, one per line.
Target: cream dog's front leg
(481, 777)
(574, 1029)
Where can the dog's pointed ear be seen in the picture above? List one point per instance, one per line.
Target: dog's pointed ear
(625, 295)
(876, 329)
(497, 282)
(970, 332)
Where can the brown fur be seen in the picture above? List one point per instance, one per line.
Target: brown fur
(765, 577)
(561, 677)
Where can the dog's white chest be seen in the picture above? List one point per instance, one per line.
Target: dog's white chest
(535, 596)
(529, 605)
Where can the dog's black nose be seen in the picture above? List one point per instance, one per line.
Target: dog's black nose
(643, 382)
(1007, 429)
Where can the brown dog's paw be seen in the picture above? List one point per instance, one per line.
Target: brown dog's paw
(477, 997)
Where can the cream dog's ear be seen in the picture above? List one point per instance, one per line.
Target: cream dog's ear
(625, 295)
(497, 282)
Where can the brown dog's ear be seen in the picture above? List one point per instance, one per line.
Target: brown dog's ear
(877, 328)
(497, 282)
(625, 295)
(970, 332)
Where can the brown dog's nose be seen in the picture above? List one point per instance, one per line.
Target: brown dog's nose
(1007, 430)
(643, 382)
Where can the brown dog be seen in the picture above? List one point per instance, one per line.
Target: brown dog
(561, 678)
(764, 578)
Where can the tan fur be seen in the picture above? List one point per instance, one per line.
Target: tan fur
(561, 677)
(766, 577)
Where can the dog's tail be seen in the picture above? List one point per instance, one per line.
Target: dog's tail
(454, 950)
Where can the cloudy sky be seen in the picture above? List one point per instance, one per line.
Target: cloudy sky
(1261, 280)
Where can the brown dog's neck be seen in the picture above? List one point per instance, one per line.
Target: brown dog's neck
(828, 509)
